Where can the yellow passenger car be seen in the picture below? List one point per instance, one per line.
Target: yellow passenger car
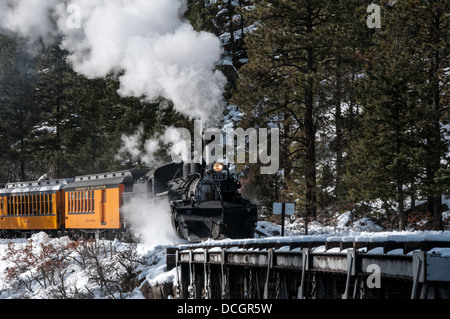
(26, 207)
(93, 202)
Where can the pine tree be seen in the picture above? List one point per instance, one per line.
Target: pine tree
(399, 136)
(290, 54)
(7, 49)
(385, 153)
(17, 107)
(353, 39)
(429, 22)
(52, 104)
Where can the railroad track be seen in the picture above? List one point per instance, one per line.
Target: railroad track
(319, 267)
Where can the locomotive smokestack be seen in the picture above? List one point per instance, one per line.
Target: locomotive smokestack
(186, 169)
(195, 168)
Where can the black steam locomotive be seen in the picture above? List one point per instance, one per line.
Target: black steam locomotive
(204, 201)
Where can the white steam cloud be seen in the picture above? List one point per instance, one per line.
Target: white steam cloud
(146, 43)
(136, 148)
(150, 220)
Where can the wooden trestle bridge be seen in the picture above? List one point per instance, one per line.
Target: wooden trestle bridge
(314, 267)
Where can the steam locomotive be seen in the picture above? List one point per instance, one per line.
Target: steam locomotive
(202, 202)
(205, 203)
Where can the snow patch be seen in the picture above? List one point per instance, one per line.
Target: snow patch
(40, 238)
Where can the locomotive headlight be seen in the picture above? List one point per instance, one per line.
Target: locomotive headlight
(218, 167)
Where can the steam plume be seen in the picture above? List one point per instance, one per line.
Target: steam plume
(146, 43)
(150, 220)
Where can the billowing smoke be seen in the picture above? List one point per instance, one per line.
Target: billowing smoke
(146, 43)
(136, 148)
(149, 219)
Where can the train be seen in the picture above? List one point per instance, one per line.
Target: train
(203, 202)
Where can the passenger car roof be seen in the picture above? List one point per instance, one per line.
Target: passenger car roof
(45, 186)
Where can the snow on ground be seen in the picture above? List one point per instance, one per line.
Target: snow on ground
(342, 224)
(35, 268)
(362, 230)
(38, 266)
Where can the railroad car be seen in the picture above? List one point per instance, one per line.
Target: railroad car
(93, 203)
(32, 206)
